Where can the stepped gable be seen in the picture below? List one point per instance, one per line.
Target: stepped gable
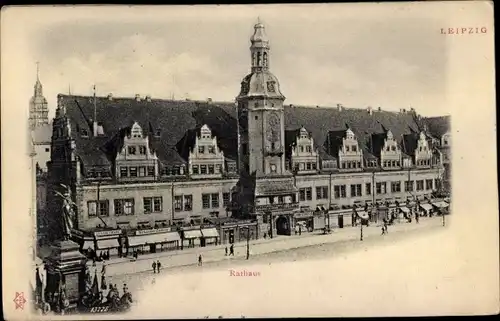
(438, 126)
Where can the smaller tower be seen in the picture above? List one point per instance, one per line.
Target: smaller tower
(39, 111)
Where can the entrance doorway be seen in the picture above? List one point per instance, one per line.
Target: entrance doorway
(341, 221)
(282, 226)
(152, 248)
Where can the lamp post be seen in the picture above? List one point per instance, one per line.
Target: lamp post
(361, 230)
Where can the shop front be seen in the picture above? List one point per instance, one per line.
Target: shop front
(441, 207)
(210, 236)
(153, 240)
(304, 219)
(108, 241)
(362, 216)
(426, 208)
(191, 237)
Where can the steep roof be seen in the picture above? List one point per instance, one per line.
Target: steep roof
(438, 126)
(167, 122)
(377, 143)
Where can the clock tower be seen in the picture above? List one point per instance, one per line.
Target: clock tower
(260, 114)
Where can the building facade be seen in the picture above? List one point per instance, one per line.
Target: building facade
(153, 168)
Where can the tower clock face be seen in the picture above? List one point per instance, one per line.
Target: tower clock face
(273, 127)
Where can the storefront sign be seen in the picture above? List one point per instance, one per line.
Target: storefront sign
(107, 233)
(153, 231)
(77, 233)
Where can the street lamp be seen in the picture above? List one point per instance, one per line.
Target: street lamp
(248, 241)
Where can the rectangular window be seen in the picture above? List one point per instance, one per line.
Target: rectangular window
(203, 169)
(131, 150)
(408, 186)
(309, 193)
(420, 185)
(133, 171)
(215, 200)
(201, 149)
(188, 202)
(281, 199)
(100, 208)
(151, 171)
(395, 187)
(142, 171)
(308, 149)
(124, 206)
(178, 203)
(308, 166)
(218, 169)
(123, 171)
(211, 169)
(196, 169)
(142, 150)
(321, 192)
(313, 165)
(428, 184)
(205, 199)
(211, 149)
(381, 188)
(347, 148)
(226, 199)
(340, 191)
(152, 204)
(368, 188)
(354, 148)
(302, 194)
(355, 190)
(301, 149)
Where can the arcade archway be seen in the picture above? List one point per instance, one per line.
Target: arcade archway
(282, 226)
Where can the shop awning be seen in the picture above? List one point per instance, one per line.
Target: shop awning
(192, 234)
(88, 245)
(210, 232)
(363, 214)
(404, 209)
(320, 209)
(426, 207)
(153, 238)
(107, 244)
(440, 204)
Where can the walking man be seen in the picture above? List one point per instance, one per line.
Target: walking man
(383, 230)
(158, 265)
(200, 260)
(231, 250)
(225, 251)
(154, 266)
(300, 230)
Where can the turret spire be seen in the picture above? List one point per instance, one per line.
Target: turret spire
(259, 48)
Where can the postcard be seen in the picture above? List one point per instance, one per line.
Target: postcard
(249, 161)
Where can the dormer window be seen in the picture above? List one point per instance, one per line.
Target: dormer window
(308, 149)
(393, 148)
(142, 150)
(347, 148)
(301, 149)
(201, 149)
(354, 148)
(131, 150)
(158, 133)
(211, 149)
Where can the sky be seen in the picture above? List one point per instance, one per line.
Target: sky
(388, 56)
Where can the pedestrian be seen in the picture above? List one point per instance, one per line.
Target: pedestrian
(231, 250)
(416, 217)
(300, 230)
(158, 266)
(93, 262)
(103, 269)
(103, 282)
(225, 251)
(383, 230)
(200, 260)
(154, 266)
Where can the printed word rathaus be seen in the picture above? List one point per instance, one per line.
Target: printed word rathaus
(243, 273)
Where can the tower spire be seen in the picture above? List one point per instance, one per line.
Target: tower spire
(259, 48)
(38, 71)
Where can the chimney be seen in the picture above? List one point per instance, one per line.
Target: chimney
(369, 110)
(339, 107)
(110, 96)
(379, 108)
(291, 106)
(138, 97)
(209, 100)
(317, 106)
(148, 98)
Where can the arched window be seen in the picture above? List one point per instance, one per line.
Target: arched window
(253, 59)
(265, 59)
(258, 58)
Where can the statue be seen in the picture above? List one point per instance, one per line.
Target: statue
(68, 211)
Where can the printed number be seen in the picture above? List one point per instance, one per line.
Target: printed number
(99, 309)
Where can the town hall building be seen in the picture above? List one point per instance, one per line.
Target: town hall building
(155, 174)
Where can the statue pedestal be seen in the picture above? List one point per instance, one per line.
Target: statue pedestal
(66, 265)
